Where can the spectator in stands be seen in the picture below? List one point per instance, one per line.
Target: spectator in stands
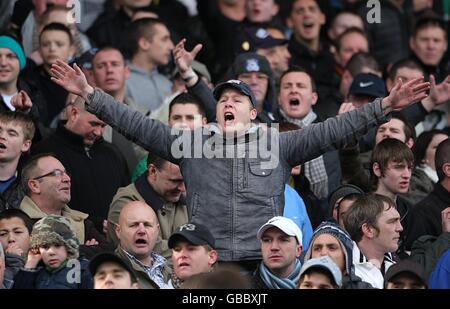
(426, 217)
(348, 43)
(52, 258)
(110, 73)
(296, 98)
(137, 232)
(281, 246)
(193, 252)
(428, 43)
(15, 231)
(374, 224)
(305, 45)
(55, 42)
(47, 192)
(151, 46)
(329, 239)
(261, 192)
(320, 273)
(16, 133)
(342, 21)
(94, 164)
(110, 272)
(341, 199)
(392, 162)
(405, 275)
(424, 175)
(161, 187)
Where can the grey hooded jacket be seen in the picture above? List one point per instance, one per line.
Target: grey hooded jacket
(235, 195)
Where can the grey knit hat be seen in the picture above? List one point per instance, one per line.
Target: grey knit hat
(335, 230)
(55, 230)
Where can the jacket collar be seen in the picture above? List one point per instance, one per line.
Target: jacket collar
(148, 193)
(32, 210)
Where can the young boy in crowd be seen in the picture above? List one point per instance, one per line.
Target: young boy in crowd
(52, 261)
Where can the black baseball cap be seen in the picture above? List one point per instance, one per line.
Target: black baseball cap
(368, 84)
(254, 38)
(343, 191)
(408, 267)
(196, 234)
(101, 258)
(235, 84)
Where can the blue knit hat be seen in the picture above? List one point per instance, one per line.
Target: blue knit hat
(14, 46)
(335, 230)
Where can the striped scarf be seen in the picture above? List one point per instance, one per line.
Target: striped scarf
(274, 282)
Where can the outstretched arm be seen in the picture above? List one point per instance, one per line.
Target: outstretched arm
(334, 133)
(148, 133)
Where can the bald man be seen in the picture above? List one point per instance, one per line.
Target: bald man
(137, 231)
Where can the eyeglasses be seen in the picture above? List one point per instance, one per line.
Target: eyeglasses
(54, 173)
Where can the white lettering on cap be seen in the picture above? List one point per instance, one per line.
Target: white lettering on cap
(252, 65)
(187, 227)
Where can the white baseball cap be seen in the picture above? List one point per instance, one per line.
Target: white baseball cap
(286, 225)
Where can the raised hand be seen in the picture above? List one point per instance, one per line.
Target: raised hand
(346, 107)
(440, 93)
(13, 248)
(404, 94)
(22, 102)
(183, 58)
(71, 79)
(91, 242)
(34, 257)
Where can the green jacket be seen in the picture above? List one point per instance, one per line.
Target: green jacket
(170, 215)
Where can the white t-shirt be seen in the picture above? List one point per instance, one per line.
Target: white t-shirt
(7, 100)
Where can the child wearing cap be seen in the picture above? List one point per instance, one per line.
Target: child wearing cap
(53, 261)
(320, 273)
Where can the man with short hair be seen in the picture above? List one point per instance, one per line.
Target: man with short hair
(353, 40)
(281, 246)
(193, 252)
(246, 185)
(137, 232)
(110, 272)
(48, 191)
(16, 133)
(161, 187)
(374, 224)
(428, 43)
(305, 45)
(151, 46)
(94, 164)
(110, 73)
(296, 97)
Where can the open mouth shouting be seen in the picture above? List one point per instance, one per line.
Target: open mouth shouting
(229, 118)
